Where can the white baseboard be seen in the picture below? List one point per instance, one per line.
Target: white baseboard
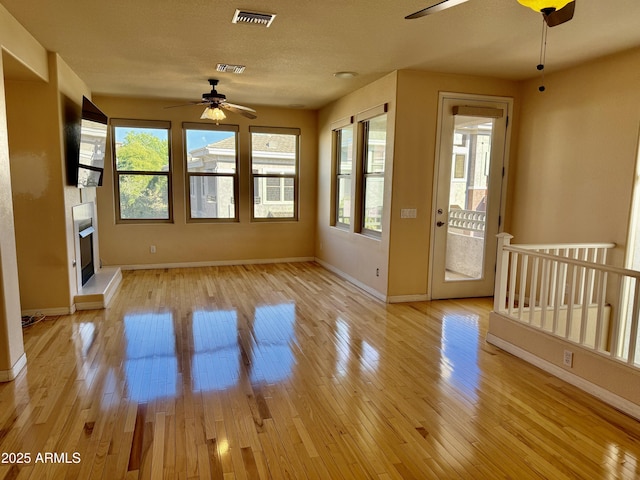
(606, 396)
(9, 375)
(371, 291)
(216, 263)
(408, 298)
(49, 312)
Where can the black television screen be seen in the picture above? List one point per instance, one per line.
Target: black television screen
(93, 142)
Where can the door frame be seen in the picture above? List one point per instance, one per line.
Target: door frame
(442, 96)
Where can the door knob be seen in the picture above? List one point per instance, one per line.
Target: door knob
(439, 223)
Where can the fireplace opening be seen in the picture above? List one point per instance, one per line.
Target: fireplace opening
(86, 251)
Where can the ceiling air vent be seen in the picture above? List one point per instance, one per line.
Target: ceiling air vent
(227, 68)
(255, 18)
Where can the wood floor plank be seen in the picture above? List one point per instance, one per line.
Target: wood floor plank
(287, 371)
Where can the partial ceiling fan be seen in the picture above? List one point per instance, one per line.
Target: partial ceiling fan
(216, 103)
(555, 12)
(443, 5)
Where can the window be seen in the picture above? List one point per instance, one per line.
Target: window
(212, 171)
(374, 146)
(142, 170)
(274, 172)
(343, 141)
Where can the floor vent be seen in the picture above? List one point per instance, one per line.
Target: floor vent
(255, 18)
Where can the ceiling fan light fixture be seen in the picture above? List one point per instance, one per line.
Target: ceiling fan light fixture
(215, 114)
(544, 5)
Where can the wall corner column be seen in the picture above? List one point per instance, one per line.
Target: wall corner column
(12, 355)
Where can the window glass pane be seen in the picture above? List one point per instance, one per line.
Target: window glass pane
(279, 201)
(288, 189)
(144, 196)
(211, 151)
(273, 153)
(212, 196)
(373, 200)
(345, 159)
(274, 163)
(376, 142)
(344, 200)
(142, 149)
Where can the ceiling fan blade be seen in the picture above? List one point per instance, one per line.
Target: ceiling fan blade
(561, 16)
(240, 107)
(244, 111)
(187, 104)
(443, 5)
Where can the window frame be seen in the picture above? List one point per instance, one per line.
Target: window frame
(115, 123)
(260, 178)
(337, 132)
(202, 175)
(364, 120)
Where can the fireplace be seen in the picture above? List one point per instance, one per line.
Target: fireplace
(86, 251)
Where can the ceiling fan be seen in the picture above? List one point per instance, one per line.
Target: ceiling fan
(216, 103)
(555, 12)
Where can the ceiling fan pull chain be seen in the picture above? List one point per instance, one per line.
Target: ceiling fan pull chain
(543, 53)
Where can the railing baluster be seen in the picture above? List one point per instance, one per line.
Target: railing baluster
(512, 281)
(584, 320)
(633, 330)
(544, 289)
(522, 291)
(556, 270)
(615, 321)
(554, 281)
(570, 294)
(534, 285)
(602, 279)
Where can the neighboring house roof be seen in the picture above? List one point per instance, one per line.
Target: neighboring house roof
(285, 144)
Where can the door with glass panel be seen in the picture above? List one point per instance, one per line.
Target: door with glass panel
(472, 147)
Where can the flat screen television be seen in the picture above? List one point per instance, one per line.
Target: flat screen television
(93, 143)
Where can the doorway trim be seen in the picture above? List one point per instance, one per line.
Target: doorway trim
(442, 96)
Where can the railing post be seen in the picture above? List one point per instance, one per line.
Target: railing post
(502, 268)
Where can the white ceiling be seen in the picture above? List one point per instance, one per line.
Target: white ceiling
(169, 48)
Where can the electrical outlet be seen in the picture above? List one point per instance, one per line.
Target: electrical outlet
(377, 272)
(568, 358)
(152, 249)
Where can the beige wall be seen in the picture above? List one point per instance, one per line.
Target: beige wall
(573, 175)
(20, 55)
(414, 167)
(41, 198)
(403, 252)
(352, 254)
(190, 243)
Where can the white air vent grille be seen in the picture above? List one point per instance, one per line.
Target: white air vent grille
(227, 68)
(264, 19)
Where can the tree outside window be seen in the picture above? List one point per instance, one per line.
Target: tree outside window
(142, 172)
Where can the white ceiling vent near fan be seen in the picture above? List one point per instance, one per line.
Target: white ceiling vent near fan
(255, 18)
(228, 68)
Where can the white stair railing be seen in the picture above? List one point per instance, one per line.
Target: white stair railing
(567, 290)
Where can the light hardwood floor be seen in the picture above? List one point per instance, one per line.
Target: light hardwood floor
(287, 371)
